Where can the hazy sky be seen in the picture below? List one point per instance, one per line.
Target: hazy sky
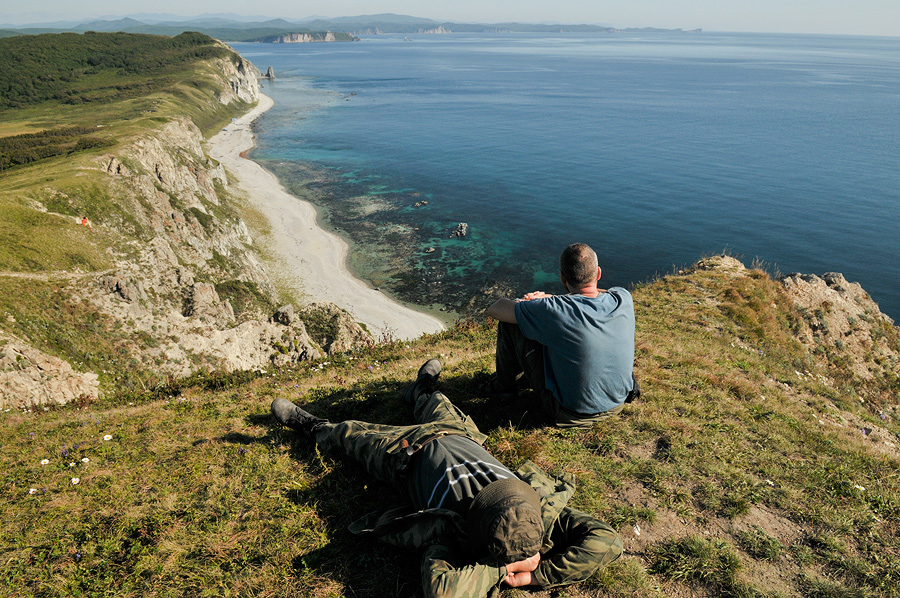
(864, 17)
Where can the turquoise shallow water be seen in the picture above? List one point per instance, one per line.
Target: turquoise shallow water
(655, 149)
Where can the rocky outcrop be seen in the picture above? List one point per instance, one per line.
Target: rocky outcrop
(841, 318)
(839, 322)
(270, 74)
(334, 329)
(461, 230)
(723, 263)
(29, 378)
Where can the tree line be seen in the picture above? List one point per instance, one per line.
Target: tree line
(18, 150)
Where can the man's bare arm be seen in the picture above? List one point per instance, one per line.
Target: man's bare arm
(503, 310)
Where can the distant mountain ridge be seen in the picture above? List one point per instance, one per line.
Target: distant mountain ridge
(236, 28)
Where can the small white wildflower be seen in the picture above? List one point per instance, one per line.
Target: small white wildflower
(32, 491)
(107, 437)
(858, 487)
(770, 482)
(84, 459)
(75, 481)
(72, 464)
(45, 461)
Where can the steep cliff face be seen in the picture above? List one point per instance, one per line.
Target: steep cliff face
(240, 80)
(302, 38)
(186, 288)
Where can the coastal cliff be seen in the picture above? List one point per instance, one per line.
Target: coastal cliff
(182, 286)
(303, 38)
(306, 37)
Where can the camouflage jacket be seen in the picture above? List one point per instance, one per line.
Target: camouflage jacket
(575, 544)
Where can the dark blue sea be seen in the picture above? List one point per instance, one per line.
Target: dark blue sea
(656, 149)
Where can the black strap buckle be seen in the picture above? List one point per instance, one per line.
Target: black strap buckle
(635, 391)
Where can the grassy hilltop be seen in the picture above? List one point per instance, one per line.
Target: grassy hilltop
(749, 468)
(762, 459)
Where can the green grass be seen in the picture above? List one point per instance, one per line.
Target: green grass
(201, 493)
(759, 544)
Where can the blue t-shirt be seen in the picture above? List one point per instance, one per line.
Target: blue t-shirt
(588, 347)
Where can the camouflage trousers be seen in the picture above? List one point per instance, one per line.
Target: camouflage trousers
(385, 450)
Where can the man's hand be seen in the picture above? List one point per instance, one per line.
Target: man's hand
(519, 574)
(535, 295)
(518, 580)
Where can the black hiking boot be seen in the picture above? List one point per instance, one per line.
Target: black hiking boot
(293, 417)
(494, 389)
(425, 381)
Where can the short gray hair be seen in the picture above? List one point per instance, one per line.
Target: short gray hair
(578, 264)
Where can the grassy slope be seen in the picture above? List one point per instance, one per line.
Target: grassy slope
(50, 246)
(743, 467)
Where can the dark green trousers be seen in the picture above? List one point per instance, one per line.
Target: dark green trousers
(384, 450)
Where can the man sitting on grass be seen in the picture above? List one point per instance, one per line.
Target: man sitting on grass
(575, 350)
(478, 524)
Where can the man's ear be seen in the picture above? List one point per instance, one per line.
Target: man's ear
(599, 272)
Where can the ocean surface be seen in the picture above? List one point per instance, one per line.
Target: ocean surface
(656, 149)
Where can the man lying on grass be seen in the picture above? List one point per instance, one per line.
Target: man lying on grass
(478, 524)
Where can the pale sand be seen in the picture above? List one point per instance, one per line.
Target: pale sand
(310, 261)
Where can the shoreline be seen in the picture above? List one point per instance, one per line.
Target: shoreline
(310, 261)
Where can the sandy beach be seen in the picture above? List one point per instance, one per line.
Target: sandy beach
(309, 260)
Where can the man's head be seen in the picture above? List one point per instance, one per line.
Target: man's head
(505, 521)
(578, 266)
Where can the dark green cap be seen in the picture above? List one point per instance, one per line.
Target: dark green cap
(505, 520)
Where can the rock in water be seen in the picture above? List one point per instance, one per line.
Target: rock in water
(462, 229)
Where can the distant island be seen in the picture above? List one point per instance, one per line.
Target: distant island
(312, 30)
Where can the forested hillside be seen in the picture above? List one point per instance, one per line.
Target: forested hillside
(94, 67)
